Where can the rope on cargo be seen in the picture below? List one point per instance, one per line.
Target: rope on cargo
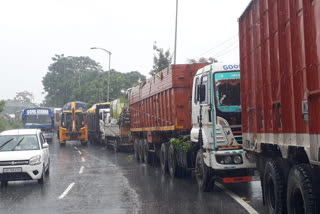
(148, 114)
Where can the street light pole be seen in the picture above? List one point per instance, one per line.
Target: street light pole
(175, 36)
(109, 53)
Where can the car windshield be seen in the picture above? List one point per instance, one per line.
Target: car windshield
(38, 120)
(18, 143)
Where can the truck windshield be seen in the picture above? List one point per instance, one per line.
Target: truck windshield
(227, 91)
(38, 120)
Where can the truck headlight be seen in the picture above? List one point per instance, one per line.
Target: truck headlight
(227, 159)
(36, 160)
(237, 159)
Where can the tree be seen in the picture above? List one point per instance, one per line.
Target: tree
(82, 79)
(24, 97)
(203, 60)
(2, 104)
(161, 59)
(65, 77)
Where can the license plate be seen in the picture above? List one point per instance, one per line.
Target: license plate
(11, 170)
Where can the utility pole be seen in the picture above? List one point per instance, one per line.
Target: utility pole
(175, 37)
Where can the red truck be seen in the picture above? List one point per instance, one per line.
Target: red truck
(189, 116)
(280, 98)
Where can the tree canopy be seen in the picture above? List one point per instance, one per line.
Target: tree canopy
(82, 79)
(161, 59)
(24, 97)
(203, 60)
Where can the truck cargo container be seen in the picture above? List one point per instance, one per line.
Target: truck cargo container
(189, 117)
(95, 122)
(280, 97)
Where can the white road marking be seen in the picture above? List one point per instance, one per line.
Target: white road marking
(66, 191)
(238, 199)
(80, 152)
(81, 169)
(75, 148)
(82, 159)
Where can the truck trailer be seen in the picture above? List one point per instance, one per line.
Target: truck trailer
(280, 98)
(189, 117)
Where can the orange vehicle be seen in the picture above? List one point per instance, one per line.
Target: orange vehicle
(73, 123)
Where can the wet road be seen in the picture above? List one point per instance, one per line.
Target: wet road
(91, 179)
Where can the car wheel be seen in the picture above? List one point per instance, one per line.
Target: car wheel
(301, 196)
(204, 174)
(43, 176)
(48, 169)
(274, 188)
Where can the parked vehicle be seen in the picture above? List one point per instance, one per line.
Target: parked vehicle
(73, 123)
(24, 155)
(280, 88)
(117, 126)
(95, 117)
(41, 118)
(189, 116)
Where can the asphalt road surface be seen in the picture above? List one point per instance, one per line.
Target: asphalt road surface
(91, 179)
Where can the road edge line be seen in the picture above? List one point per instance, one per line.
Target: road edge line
(244, 204)
(81, 169)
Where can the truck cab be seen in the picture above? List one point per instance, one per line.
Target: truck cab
(216, 116)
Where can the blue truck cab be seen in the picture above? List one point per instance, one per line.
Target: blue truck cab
(39, 118)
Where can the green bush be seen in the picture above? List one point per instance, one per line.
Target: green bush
(9, 124)
(181, 144)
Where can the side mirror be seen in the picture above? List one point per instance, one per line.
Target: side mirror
(45, 145)
(201, 96)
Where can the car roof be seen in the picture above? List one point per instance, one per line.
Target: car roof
(20, 132)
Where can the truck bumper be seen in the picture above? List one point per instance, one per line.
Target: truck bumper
(228, 160)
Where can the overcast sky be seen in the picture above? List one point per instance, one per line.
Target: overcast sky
(32, 31)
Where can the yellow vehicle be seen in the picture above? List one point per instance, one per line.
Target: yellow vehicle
(73, 123)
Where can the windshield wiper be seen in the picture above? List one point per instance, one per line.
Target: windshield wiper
(6, 143)
(17, 144)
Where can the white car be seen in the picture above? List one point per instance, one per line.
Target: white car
(24, 155)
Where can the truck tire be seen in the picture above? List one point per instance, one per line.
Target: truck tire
(141, 151)
(4, 183)
(84, 143)
(115, 145)
(146, 155)
(164, 158)
(274, 188)
(204, 174)
(136, 149)
(301, 196)
(63, 143)
(174, 169)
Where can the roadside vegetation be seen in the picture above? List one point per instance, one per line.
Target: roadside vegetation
(6, 123)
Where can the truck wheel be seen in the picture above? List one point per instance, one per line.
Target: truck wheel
(4, 183)
(141, 150)
(115, 146)
(146, 155)
(174, 169)
(164, 158)
(136, 149)
(63, 143)
(274, 188)
(301, 190)
(204, 174)
(84, 143)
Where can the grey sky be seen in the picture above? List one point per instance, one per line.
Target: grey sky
(33, 31)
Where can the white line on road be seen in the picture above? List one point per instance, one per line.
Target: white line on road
(82, 159)
(66, 191)
(75, 148)
(80, 152)
(81, 169)
(238, 199)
